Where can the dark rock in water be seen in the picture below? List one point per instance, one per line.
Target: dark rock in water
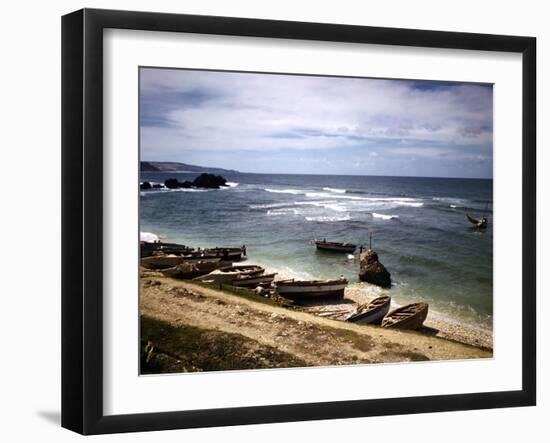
(372, 271)
(210, 181)
(145, 185)
(158, 186)
(172, 183)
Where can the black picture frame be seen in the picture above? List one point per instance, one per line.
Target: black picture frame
(82, 218)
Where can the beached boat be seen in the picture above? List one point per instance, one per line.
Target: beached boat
(228, 274)
(481, 223)
(372, 312)
(157, 248)
(407, 317)
(253, 281)
(169, 261)
(311, 288)
(244, 269)
(189, 271)
(335, 246)
(227, 253)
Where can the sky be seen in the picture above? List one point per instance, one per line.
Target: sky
(272, 123)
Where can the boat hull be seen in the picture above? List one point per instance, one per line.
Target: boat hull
(165, 262)
(406, 317)
(297, 290)
(342, 249)
(346, 248)
(188, 271)
(372, 314)
(254, 281)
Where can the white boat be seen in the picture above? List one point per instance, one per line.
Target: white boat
(311, 288)
(252, 281)
(372, 312)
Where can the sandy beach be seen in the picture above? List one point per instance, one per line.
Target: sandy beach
(436, 324)
(242, 331)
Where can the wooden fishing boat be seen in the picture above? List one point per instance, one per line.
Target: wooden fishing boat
(189, 271)
(227, 253)
(169, 261)
(219, 276)
(311, 288)
(244, 269)
(164, 248)
(407, 317)
(253, 281)
(481, 223)
(335, 246)
(228, 274)
(372, 312)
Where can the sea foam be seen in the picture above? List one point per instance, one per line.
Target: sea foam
(384, 216)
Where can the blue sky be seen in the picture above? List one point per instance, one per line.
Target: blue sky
(267, 123)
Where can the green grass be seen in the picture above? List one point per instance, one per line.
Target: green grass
(241, 292)
(168, 349)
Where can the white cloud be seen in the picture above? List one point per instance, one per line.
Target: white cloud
(229, 111)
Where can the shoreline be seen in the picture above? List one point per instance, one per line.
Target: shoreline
(265, 335)
(436, 324)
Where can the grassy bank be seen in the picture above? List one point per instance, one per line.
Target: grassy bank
(168, 349)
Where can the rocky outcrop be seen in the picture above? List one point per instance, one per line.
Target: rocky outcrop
(145, 185)
(372, 271)
(207, 181)
(210, 181)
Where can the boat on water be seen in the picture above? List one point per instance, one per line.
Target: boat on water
(407, 317)
(372, 312)
(335, 246)
(311, 288)
(253, 281)
(478, 223)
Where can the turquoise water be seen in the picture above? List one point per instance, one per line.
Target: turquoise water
(419, 230)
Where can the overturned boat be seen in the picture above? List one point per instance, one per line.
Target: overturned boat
(324, 245)
(311, 288)
(478, 223)
(372, 312)
(407, 317)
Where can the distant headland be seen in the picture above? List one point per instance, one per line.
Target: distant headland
(150, 166)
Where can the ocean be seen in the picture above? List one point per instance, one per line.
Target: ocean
(418, 225)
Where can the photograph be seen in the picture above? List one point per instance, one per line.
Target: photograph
(293, 221)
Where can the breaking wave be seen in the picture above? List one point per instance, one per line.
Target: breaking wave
(335, 190)
(384, 216)
(285, 191)
(328, 219)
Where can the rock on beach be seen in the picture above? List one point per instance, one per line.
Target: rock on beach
(372, 271)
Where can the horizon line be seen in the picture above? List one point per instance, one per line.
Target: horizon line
(302, 173)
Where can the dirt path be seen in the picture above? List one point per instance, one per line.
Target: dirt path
(316, 340)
